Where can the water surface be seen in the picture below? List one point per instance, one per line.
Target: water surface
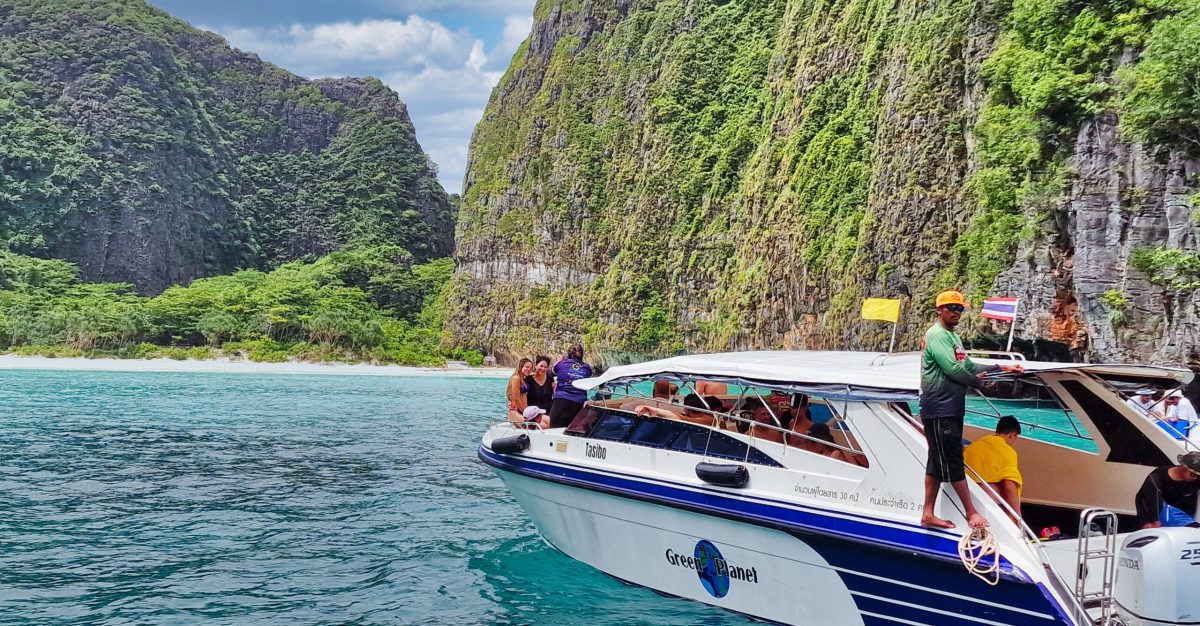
(168, 498)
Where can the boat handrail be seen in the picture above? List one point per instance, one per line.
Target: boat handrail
(517, 425)
(998, 355)
(752, 423)
(1031, 536)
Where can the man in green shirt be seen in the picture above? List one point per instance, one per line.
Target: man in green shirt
(946, 373)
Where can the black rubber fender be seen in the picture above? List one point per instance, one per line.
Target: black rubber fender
(511, 445)
(723, 474)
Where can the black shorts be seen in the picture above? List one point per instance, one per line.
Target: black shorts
(562, 411)
(944, 436)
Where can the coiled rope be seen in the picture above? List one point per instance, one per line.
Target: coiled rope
(973, 548)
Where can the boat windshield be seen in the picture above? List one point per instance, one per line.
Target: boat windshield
(1041, 414)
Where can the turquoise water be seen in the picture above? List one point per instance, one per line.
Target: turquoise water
(162, 498)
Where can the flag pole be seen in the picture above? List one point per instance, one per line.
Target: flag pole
(1012, 326)
(895, 324)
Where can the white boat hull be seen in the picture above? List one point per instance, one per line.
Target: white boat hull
(758, 571)
(766, 568)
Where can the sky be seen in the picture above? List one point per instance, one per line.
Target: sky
(442, 56)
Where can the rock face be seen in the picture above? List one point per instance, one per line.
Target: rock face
(1123, 198)
(661, 176)
(150, 152)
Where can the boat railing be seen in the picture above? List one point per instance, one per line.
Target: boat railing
(997, 355)
(751, 425)
(517, 425)
(1032, 540)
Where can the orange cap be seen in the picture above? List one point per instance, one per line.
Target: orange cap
(950, 296)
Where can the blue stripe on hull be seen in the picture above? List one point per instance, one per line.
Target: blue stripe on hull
(925, 582)
(763, 511)
(869, 562)
(938, 597)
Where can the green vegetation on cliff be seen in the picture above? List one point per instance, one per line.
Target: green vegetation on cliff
(369, 304)
(715, 174)
(1049, 73)
(149, 152)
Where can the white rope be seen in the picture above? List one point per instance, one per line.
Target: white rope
(973, 548)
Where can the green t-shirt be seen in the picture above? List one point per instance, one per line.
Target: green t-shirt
(946, 372)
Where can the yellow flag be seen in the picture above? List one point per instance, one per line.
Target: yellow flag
(881, 309)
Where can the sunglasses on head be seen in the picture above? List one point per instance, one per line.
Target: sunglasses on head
(957, 308)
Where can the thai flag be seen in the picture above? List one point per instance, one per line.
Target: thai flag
(1004, 309)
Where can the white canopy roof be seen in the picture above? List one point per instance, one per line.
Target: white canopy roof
(876, 370)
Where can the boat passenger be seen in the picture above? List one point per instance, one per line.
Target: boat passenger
(661, 396)
(535, 414)
(765, 426)
(705, 388)
(995, 461)
(1168, 496)
(698, 411)
(568, 400)
(820, 441)
(779, 400)
(746, 413)
(517, 391)
(1180, 417)
(694, 411)
(715, 404)
(800, 420)
(664, 389)
(541, 384)
(1142, 402)
(946, 373)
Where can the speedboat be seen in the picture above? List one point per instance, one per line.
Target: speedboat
(723, 507)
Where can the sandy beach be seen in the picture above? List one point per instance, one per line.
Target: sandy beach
(227, 366)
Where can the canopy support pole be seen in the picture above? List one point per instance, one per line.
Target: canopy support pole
(1012, 326)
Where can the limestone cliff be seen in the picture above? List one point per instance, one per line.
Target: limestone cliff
(150, 152)
(715, 174)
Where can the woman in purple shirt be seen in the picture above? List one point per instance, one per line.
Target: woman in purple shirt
(568, 400)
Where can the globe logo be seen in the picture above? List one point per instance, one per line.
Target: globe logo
(715, 579)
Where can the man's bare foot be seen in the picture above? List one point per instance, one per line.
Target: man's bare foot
(976, 520)
(930, 520)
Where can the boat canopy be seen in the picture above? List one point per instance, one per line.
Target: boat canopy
(1108, 370)
(850, 375)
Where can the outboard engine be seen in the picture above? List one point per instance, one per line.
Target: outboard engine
(1158, 577)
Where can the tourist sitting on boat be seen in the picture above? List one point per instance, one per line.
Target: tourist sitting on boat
(745, 413)
(535, 414)
(705, 388)
(1180, 417)
(1168, 496)
(1142, 401)
(517, 391)
(540, 384)
(661, 396)
(568, 399)
(800, 419)
(694, 410)
(779, 400)
(664, 389)
(768, 424)
(819, 440)
(994, 461)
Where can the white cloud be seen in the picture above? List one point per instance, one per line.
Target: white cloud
(444, 76)
(489, 7)
(516, 29)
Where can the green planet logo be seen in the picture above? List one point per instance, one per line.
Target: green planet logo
(712, 569)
